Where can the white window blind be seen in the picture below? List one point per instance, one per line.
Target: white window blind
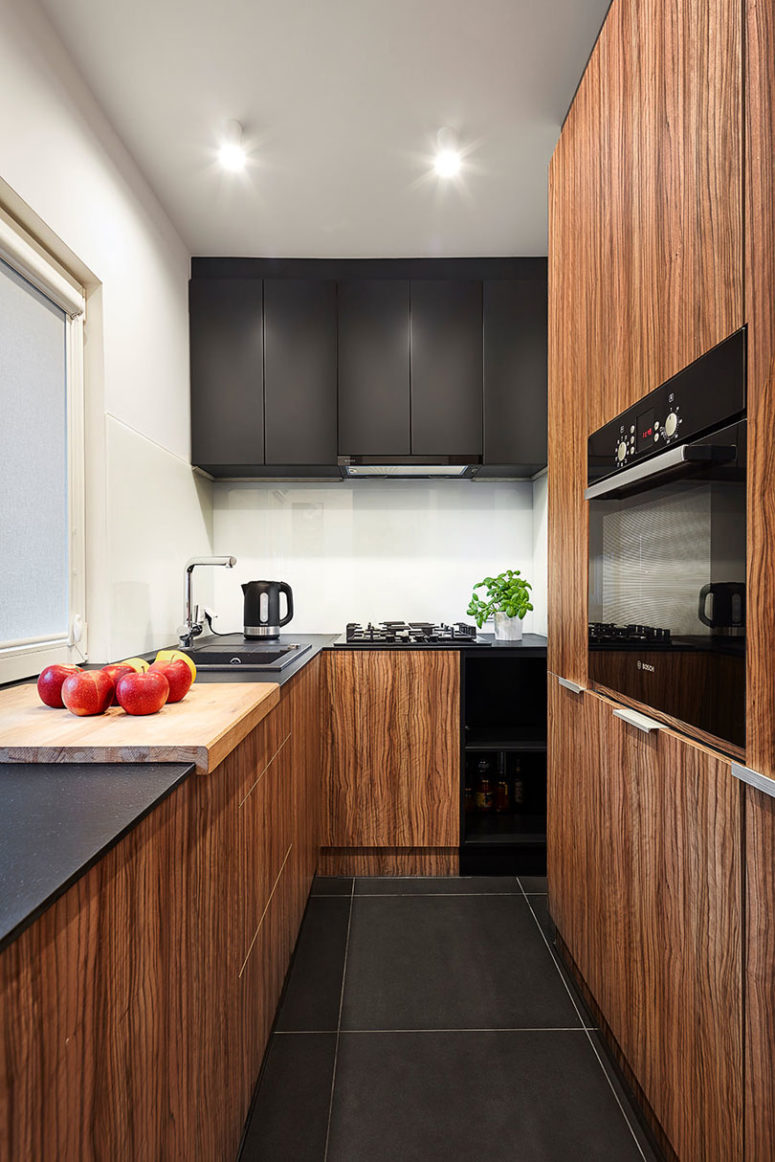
(34, 534)
(42, 585)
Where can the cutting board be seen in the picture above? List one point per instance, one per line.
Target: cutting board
(202, 729)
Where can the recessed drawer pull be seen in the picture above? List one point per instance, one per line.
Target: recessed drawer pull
(639, 721)
(754, 779)
(572, 686)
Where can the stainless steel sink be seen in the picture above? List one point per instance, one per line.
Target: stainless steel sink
(246, 655)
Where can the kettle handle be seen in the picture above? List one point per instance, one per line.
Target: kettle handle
(704, 593)
(286, 589)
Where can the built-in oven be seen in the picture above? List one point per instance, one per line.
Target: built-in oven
(667, 550)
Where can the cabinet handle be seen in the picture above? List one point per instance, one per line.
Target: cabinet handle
(639, 721)
(572, 686)
(754, 779)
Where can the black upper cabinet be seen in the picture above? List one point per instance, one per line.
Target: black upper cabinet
(374, 408)
(300, 371)
(446, 367)
(227, 348)
(515, 371)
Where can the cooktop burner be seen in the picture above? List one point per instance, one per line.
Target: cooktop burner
(607, 633)
(408, 633)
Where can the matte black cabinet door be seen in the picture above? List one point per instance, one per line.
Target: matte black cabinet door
(515, 378)
(300, 371)
(374, 411)
(446, 367)
(227, 354)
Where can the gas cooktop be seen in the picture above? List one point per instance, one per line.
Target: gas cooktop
(409, 633)
(607, 633)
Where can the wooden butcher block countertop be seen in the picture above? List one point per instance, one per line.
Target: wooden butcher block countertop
(203, 728)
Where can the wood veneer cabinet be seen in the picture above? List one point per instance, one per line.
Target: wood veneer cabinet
(392, 761)
(135, 1012)
(646, 849)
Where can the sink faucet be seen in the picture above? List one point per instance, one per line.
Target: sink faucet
(192, 626)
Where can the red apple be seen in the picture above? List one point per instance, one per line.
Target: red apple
(50, 684)
(87, 692)
(142, 693)
(178, 674)
(114, 671)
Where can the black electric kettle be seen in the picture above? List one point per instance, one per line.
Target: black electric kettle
(262, 608)
(727, 606)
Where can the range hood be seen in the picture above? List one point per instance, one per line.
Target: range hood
(409, 467)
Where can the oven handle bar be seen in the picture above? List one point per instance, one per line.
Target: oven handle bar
(669, 459)
(698, 453)
(639, 721)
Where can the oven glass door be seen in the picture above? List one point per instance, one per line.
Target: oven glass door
(667, 572)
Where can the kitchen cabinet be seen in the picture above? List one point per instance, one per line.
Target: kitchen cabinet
(647, 832)
(504, 741)
(296, 362)
(759, 113)
(446, 367)
(374, 403)
(134, 1013)
(300, 371)
(515, 338)
(391, 762)
(227, 354)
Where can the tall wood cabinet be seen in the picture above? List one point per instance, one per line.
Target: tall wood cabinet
(662, 242)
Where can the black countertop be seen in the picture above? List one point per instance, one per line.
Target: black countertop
(58, 819)
(531, 643)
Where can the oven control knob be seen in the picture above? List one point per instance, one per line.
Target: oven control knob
(621, 451)
(671, 424)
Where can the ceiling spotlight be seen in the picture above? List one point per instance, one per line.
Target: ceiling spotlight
(448, 158)
(232, 155)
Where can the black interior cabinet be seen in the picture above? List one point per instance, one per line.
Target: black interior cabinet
(374, 405)
(515, 370)
(300, 371)
(503, 809)
(227, 353)
(446, 362)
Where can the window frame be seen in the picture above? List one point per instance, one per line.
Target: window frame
(19, 250)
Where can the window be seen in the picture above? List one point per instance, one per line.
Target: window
(42, 589)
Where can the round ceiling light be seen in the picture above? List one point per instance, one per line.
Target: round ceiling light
(231, 154)
(449, 159)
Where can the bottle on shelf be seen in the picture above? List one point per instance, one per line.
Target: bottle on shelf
(483, 786)
(468, 799)
(518, 786)
(502, 797)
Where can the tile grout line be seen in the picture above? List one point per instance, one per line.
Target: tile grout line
(586, 1030)
(339, 1021)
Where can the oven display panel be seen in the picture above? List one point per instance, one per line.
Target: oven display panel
(646, 430)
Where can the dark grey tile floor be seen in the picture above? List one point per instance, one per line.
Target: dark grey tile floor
(430, 1020)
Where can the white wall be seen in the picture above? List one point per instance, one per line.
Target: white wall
(355, 551)
(146, 510)
(540, 566)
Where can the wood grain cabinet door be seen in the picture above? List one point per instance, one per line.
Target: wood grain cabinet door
(394, 776)
(674, 954)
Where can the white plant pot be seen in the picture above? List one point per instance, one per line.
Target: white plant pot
(507, 629)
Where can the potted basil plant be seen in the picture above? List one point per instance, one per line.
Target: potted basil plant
(507, 600)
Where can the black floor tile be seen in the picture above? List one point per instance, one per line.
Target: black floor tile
(450, 962)
(436, 885)
(463, 1097)
(649, 1151)
(533, 884)
(540, 906)
(289, 1119)
(332, 886)
(314, 989)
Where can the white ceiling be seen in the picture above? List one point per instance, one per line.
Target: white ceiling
(341, 101)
